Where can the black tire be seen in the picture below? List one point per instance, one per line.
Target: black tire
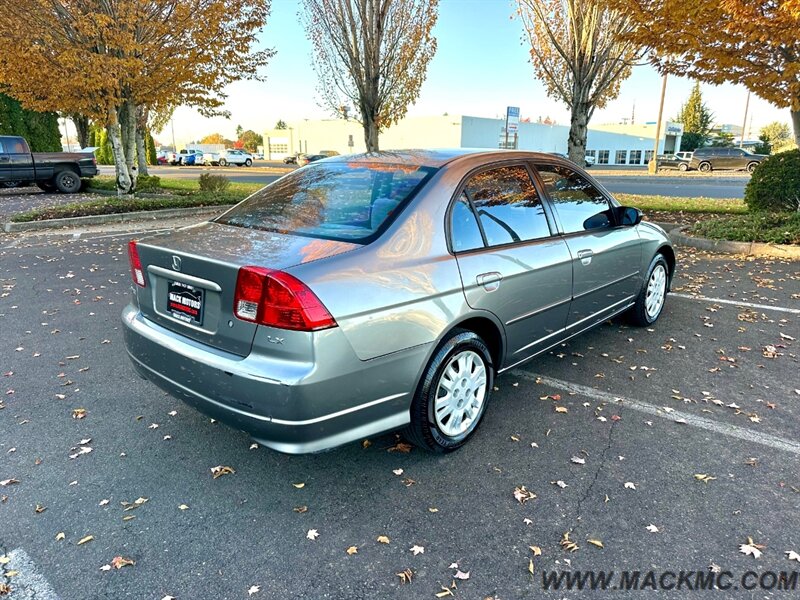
(67, 181)
(46, 187)
(424, 431)
(683, 167)
(639, 314)
(705, 167)
(248, 163)
(223, 162)
(752, 167)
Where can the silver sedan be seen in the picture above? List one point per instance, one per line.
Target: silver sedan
(370, 293)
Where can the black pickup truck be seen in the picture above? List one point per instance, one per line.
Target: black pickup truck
(51, 171)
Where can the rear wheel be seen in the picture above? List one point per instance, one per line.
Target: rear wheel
(453, 394)
(650, 301)
(705, 167)
(67, 182)
(752, 167)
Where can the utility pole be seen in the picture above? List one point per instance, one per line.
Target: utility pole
(744, 123)
(66, 135)
(172, 125)
(652, 167)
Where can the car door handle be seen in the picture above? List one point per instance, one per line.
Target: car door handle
(585, 256)
(489, 281)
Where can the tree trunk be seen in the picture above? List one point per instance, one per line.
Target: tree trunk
(82, 128)
(141, 143)
(124, 183)
(796, 126)
(369, 120)
(127, 120)
(578, 127)
(141, 152)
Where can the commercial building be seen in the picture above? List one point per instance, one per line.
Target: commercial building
(608, 144)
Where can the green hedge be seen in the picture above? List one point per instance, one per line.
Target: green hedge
(775, 184)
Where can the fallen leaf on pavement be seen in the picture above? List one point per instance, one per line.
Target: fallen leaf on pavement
(60, 536)
(562, 409)
(221, 470)
(118, 562)
(461, 575)
(6, 482)
(597, 543)
(751, 548)
(652, 528)
(567, 544)
(383, 539)
(299, 486)
(83, 540)
(417, 549)
(312, 534)
(405, 575)
(630, 485)
(536, 550)
(792, 555)
(352, 550)
(705, 478)
(253, 589)
(523, 495)
(78, 413)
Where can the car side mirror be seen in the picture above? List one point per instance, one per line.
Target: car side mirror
(629, 216)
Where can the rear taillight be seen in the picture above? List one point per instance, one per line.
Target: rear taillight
(136, 265)
(277, 299)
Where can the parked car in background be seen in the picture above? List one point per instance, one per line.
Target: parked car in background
(671, 161)
(50, 171)
(710, 159)
(232, 156)
(190, 157)
(291, 159)
(684, 155)
(373, 292)
(162, 157)
(304, 159)
(329, 153)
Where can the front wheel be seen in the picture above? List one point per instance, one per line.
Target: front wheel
(751, 167)
(453, 394)
(650, 301)
(248, 163)
(683, 167)
(223, 162)
(67, 182)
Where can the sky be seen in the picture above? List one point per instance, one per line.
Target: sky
(481, 67)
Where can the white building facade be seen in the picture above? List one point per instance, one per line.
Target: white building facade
(607, 144)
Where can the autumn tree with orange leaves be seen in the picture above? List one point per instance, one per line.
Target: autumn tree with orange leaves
(754, 43)
(123, 63)
(580, 52)
(373, 54)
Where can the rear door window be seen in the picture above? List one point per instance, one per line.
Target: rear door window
(508, 205)
(580, 206)
(351, 202)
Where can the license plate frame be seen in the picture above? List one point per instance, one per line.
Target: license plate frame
(185, 302)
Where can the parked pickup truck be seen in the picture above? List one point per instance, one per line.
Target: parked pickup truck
(51, 171)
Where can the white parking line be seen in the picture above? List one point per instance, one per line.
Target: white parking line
(794, 311)
(695, 421)
(28, 583)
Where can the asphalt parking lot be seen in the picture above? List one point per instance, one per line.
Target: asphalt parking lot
(660, 449)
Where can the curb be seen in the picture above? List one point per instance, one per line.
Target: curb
(142, 215)
(746, 248)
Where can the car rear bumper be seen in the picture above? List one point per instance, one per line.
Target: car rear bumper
(292, 407)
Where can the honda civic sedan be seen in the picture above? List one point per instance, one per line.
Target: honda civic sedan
(365, 294)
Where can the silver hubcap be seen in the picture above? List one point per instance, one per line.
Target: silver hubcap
(460, 393)
(656, 288)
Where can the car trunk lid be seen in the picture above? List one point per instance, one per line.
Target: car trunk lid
(191, 277)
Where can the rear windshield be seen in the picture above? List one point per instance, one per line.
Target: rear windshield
(350, 202)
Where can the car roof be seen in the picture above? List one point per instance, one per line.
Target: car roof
(433, 158)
